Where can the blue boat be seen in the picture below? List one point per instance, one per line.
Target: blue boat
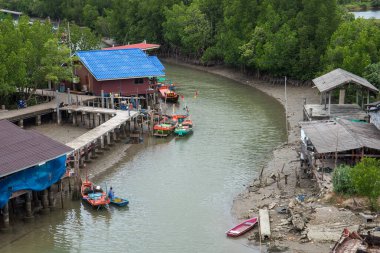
(185, 128)
(119, 201)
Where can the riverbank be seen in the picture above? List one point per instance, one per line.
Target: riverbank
(313, 218)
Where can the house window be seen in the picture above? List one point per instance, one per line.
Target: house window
(139, 80)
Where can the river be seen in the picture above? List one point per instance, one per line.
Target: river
(367, 14)
(180, 190)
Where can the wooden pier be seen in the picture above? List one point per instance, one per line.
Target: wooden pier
(42, 109)
(115, 125)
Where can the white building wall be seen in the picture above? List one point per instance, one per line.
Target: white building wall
(375, 118)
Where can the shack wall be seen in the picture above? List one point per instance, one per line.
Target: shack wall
(375, 118)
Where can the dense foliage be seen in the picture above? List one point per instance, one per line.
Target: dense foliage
(35, 54)
(30, 56)
(362, 179)
(342, 181)
(366, 179)
(297, 38)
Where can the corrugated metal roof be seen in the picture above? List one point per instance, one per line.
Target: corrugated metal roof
(339, 77)
(157, 62)
(118, 64)
(21, 149)
(142, 46)
(341, 135)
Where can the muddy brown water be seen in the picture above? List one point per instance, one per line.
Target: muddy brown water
(180, 190)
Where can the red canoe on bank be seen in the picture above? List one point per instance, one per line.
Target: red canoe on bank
(243, 227)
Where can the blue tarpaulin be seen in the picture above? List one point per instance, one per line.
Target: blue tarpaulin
(36, 178)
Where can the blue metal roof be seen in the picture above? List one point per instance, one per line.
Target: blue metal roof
(120, 64)
(156, 62)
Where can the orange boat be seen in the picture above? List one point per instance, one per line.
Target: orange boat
(179, 117)
(168, 95)
(95, 196)
(163, 129)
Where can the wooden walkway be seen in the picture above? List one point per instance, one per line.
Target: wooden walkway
(41, 109)
(119, 118)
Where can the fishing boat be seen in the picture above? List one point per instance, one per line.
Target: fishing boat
(179, 117)
(168, 95)
(163, 129)
(117, 201)
(242, 228)
(94, 196)
(185, 128)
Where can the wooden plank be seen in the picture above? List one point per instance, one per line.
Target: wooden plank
(264, 224)
(91, 136)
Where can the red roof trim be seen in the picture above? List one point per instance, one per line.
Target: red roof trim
(142, 46)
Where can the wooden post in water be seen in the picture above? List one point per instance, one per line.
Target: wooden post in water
(61, 189)
(286, 114)
(5, 212)
(75, 194)
(28, 206)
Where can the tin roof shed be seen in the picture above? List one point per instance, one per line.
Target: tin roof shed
(21, 149)
(339, 77)
(341, 135)
(120, 64)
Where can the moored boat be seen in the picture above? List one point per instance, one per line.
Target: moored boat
(163, 129)
(185, 128)
(94, 196)
(168, 95)
(179, 117)
(117, 201)
(242, 228)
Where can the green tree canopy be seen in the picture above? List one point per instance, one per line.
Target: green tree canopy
(366, 178)
(353, 46)
(372, 74)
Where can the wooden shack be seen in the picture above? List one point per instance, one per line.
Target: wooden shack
(327, 144)
(328, 85)
(124, 72)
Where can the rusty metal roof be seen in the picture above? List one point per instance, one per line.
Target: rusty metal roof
(21, 149)
(341, 135)
(339, 77)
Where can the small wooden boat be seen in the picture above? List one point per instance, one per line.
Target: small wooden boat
(354, 242)
(185, 128)
(163, 129)
(94, 196)
(168, 95)
(179, 117)
(242, 228)
(117, 201)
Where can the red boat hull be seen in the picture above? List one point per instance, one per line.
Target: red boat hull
(242, 228)
(168, 95)
(92, 196)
